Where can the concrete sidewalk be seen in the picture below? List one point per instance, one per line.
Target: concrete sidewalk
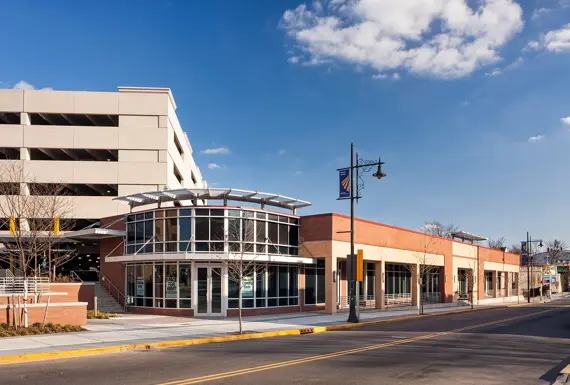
(139, 329)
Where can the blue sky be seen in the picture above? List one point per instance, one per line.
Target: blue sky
(464, 101)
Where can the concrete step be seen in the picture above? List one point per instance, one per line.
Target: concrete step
(106, 302)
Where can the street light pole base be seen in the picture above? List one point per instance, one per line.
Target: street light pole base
(353, 319)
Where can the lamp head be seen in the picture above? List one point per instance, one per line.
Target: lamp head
(379, 174)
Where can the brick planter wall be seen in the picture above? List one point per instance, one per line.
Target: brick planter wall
(58, 313)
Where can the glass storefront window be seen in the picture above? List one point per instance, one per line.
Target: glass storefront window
(217, 229)
(185, 228)
(185, 285)
(171, 285)
(158, 285)
(315, 290)
(202, 229)
(198, 230)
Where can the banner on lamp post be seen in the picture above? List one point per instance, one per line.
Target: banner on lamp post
(344, 183)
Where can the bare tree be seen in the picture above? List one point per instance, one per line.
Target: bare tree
(515, 249)
(498, 243)
(424, 270)
(437, 229)
(555, 249)
(242, 263)
(31, 210)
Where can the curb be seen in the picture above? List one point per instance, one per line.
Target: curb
(21, 358)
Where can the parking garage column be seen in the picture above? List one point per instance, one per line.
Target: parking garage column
(331, 276)
(379, 285)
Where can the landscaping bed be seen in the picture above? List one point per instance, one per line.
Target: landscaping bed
(100, 315)
(37, 328)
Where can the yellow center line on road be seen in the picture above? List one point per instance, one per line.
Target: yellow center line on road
(255, 369)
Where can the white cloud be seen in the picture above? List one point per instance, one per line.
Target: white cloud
(294, 59)
(558, 40)
(495, 72)
(498, 71)
(281, 152)
(214, 166)
(405, 34)
(532, 45)
(23, 85)
(553, 41)
(216, 151)
(379, 76)
(534, 139)
(396, 76)
(566, 120)
(540, 12)
(298, 172)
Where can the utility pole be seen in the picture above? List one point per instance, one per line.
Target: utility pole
(528, 245)
(528, 263)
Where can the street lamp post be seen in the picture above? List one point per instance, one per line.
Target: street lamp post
(357, 184)
(529, 242)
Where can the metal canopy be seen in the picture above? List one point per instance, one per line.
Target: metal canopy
(86, 234)
(467, 236)
(194, 194)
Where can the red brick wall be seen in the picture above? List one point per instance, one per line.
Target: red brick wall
(316, 227)
(63, 293)
(333, 226)
(113, 271)
(57, 314)
(76, 292)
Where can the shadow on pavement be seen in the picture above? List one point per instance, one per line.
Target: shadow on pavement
(552, 374)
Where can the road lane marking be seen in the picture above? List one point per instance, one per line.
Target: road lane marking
(276, 365)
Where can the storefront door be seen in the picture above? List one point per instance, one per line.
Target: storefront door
(209, 291)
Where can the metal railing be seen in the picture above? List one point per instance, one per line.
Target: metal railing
(19, 285)
(400, 299)
(431, 297)
(86, 275)
(364, 302)
(111, 288)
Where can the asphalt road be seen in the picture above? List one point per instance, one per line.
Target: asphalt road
(518, 345)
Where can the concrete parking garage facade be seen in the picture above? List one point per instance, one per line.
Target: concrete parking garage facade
(99, 145)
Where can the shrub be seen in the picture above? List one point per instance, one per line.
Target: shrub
(100, 315)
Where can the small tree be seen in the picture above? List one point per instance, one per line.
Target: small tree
(241, 263)
(437, 229)
(472, 275)
(423, 269)
(498, 243)
(28, 210)
(32, 210)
